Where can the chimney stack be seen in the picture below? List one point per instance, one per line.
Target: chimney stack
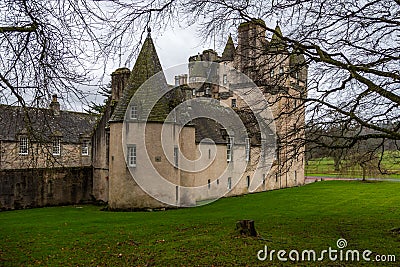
(119, 79)
(55, 106)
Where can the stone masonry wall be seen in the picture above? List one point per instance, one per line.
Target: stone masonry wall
(29, 188)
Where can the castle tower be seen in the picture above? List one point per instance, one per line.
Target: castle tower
(251, 45)
(119, 79)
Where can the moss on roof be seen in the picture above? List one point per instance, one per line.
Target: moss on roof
(253, 21)
(229, 50)
(276, 43)
(147, 65)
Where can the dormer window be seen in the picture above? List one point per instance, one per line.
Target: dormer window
(134, 112)
(23, 145)
(56, 146)
(207, 90)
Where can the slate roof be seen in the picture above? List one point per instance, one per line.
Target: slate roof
(276, 43)
(229, 50)
(147, 65)
(68, 125)
(208, 128)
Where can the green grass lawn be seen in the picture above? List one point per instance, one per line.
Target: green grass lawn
(325, 167)
(314, 216)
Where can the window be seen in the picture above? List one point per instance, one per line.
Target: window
(276, 177)
(176, 156)
(194, 92)
(229, 183)
(281, 70)
(248, 181)
(207, 90)
(209, 153)
(296, 74)
(131, 157)
(224, 79)
(263, 178)
(209, 183)
(57, 146)
(23, 145)
(176, 80)
(134, 112)
(247, 148)
(233, 103)
(272, 73)
(229, 148)
(263, 149)
(85, 148)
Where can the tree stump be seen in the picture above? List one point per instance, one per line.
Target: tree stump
(246, 227)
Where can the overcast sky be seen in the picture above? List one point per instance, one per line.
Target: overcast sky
(174, 47)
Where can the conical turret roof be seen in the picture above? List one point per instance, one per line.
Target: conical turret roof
(147, 65)
(229, 50)
(276, 43)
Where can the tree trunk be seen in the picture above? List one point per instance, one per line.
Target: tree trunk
(246, 227)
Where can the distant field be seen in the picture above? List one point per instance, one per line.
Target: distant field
(325, 167)
(315, 216)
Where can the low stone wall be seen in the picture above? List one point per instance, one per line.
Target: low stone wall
(29, 188)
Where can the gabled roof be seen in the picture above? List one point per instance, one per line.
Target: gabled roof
(229, 50)
(147, 65)
(44, 125)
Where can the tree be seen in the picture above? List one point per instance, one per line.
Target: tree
(351, 47)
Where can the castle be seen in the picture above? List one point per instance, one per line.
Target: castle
(139, 156)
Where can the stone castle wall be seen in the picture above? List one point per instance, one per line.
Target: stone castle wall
(29, 188)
